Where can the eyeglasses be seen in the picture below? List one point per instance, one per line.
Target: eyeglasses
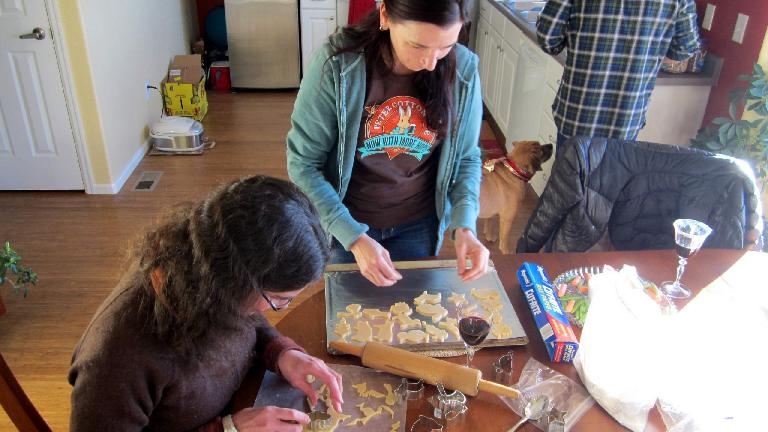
(276, 306)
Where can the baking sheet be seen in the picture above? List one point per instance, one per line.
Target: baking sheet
(275, 391)
(345, 285)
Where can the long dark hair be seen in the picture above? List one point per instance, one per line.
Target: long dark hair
(258, 233)
(434, 88)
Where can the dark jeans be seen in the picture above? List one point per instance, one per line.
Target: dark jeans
(405, 242)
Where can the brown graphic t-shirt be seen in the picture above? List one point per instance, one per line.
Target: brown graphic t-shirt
(393, 179)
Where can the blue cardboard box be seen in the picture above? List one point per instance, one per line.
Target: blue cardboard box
(548, 313)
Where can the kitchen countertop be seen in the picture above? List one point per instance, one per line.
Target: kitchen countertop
(708, 76)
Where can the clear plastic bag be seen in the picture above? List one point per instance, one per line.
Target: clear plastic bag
(622, 340)
(564, 394)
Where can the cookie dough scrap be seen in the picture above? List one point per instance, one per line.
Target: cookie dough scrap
(451, 328)
(436, 334)
(434, 311)
(483, 294)
(469, 308)
(501, 330)
(401, 309)
(428, 298)
(342, 328)
(387, 409)
(407, 323)
(413, 337)
(363, 332)
(336, 417)
(491, 305)
(391, 398)
(352, 312)
(457, 299)
(373, 314)
(395, 427)
(384, 332)
(368, 414)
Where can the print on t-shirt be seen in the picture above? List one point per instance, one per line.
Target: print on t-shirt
(397, 126)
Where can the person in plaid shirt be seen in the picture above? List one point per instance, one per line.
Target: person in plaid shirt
(615, 50)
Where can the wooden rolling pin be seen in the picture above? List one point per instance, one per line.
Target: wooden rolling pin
(411, 365)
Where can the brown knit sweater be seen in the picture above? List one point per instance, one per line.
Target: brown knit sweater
(125, 379)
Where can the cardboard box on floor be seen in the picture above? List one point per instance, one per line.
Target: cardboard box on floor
(184, 88)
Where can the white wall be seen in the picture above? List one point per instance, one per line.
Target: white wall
(129, 43)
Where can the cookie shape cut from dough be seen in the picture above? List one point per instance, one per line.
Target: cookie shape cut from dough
(395, 426)
(428, 298)
(407, 323)
(451, 328)
(401, 309)
(384, 332)
(363, 332)
(352, 312)
(457, 299)
(434, 311)
(412, 337)
(342, 329)
(373, 314)
(483, 294)
(436, 334)
(501, 331)
(391, 398)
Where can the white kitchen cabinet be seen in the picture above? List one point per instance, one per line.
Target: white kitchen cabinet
(316, 26)
(506, 75)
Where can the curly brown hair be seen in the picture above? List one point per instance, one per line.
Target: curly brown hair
(257, 233)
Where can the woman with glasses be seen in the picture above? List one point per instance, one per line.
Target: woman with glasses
(171, 344)
(384, 139)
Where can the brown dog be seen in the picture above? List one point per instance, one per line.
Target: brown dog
(504, 185)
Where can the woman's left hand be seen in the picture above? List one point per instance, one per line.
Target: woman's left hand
(468, 246)
(296, 366)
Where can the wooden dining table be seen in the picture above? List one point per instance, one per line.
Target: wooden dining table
(487, 412)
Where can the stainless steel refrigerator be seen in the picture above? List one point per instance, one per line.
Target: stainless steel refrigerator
(263, 39)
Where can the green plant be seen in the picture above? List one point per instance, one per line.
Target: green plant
(741, 138)
(20, 277)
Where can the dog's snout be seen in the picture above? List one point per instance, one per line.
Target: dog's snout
(546, 152)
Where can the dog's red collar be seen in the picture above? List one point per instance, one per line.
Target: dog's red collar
(518, 172)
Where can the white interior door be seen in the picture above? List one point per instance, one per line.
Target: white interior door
(316, 26)
(37, 147)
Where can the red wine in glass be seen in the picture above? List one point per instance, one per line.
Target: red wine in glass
(474, 330)
(685, 252)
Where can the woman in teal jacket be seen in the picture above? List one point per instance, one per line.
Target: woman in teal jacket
(384, 139)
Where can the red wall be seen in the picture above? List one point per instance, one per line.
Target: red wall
(738, 58)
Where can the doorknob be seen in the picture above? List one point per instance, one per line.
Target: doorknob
(37, 33)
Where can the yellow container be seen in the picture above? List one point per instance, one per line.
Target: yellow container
(188, 100)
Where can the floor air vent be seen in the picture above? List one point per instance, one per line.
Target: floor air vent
(147, 181)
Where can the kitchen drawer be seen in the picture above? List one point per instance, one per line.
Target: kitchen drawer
(318, 4)
(497, 19)
(484, 9)
(554, 72)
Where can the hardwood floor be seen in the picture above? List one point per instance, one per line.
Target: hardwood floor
(76, 242)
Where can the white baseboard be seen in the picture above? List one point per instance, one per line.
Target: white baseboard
(113, 188)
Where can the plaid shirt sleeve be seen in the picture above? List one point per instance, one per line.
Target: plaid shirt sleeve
(552, 24)
(685, 42)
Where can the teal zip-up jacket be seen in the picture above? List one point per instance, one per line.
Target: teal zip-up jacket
(324, 133)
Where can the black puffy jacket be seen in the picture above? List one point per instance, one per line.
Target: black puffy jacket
(635, 190)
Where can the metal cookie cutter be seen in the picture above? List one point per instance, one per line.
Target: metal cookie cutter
(556, 421)
(502, 369)
(426, 424)
(450, 407)
(318, 420)
(410, 389)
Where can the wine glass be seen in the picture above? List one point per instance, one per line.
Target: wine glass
(473, 329)
(689, 236)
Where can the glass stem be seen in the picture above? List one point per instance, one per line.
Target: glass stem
(680, 270)
(470, 355)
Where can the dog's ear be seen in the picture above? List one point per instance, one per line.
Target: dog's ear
(546, 151)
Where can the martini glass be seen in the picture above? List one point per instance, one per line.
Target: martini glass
(689, 236)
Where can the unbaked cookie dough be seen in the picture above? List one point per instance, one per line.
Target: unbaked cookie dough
(428, 298)
(384, 332)
(373, 314)
(434, 311)
(342, 329)
(407, 323)
(401, 309)
(457, 299)
(363, 332)
(435, 334)
(413, 337)
(352, 312)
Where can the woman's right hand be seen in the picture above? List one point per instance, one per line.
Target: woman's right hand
(374, 261)
(270, 419)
